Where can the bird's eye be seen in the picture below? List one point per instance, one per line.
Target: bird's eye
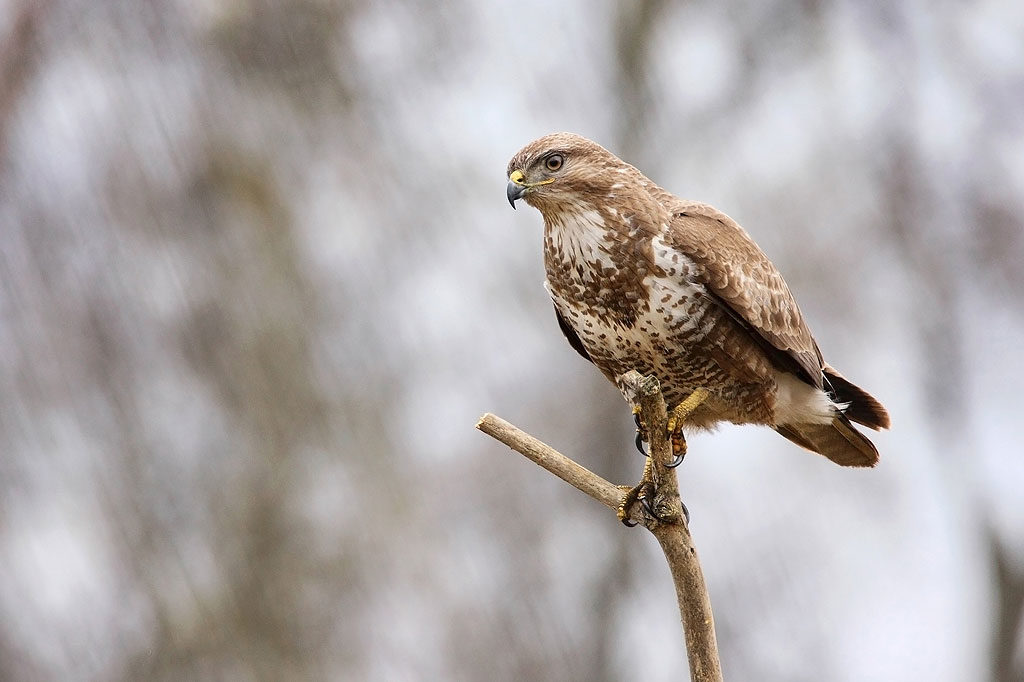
(553, 162)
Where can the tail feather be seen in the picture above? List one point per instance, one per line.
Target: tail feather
(840, 441)
(861, 406)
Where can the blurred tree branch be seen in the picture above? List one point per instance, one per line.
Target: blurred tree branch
(1009, 616)
(16, 63)
(674, 537)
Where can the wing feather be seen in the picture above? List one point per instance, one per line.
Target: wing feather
(750, 289)
(571, 336)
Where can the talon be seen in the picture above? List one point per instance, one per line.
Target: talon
(643, 493)
(640, 433)
(646, 493)
(640, 493)
(678, 444)
(648, 507)
(639, 442)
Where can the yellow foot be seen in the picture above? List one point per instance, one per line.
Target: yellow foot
(646, 493)
(642, 492)
(679, 415)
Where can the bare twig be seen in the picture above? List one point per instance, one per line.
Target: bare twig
(554, 461)
(673, 535)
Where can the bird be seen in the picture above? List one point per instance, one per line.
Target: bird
(643, 280)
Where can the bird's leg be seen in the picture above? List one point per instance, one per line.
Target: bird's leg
(643, 491)
(675, 424)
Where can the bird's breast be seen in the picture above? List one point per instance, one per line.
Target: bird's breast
(592, 265)
(624, 293)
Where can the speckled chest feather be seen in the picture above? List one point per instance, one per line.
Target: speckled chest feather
(637, 304)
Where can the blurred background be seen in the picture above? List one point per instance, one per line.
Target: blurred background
(259, 278)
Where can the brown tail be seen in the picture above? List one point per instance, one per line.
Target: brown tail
(840, 441)
(862, 407)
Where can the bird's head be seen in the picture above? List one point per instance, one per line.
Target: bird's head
(560, 170)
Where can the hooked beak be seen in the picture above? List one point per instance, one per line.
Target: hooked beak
(513, 192)
(516, 187)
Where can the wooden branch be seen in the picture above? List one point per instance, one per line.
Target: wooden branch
(670, 529)
(554, 461)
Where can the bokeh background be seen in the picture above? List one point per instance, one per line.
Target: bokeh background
(258, 279)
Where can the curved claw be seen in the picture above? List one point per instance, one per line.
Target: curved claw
(675, 462)
(648, 507)
(639, 442)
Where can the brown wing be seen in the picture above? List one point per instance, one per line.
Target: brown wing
(744, 282)
(571, 336)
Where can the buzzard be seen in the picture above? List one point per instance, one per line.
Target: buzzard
(643, 280)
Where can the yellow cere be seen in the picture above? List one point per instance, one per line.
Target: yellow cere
(519, 178)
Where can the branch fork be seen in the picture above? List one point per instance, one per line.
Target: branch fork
(669, 525)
